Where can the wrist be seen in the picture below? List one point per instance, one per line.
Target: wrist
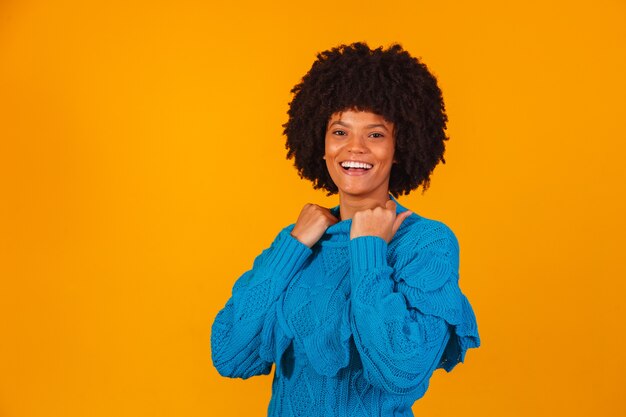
(286, 255)
(367, 253)
(299, 238)
(358, 234)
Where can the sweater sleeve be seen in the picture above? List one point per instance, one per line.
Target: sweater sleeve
(243, 328)
(404, 327)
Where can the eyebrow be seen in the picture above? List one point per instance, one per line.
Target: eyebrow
(339, 122)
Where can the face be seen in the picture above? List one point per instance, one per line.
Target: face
(359, 151)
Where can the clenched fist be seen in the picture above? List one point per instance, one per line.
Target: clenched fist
(379, 221)
(312, 223)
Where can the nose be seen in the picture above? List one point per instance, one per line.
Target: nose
(357, 144)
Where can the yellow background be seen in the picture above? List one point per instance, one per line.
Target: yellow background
(142, 167)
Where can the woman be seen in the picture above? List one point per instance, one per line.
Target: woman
(356, 305)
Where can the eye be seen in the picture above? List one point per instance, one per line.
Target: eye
(339, 132)
(376, 135)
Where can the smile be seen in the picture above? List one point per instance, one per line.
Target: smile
(356, 165)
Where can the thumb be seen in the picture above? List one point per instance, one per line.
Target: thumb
(390, 205)
(399, 219)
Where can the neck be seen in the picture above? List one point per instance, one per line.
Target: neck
(350, 204)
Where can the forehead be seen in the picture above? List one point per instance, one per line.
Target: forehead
(358, 118)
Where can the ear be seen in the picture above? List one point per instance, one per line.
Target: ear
(324, 157)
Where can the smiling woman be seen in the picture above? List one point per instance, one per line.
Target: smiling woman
(357, 305)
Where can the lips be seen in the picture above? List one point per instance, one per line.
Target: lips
(355, 168)
(356, 165)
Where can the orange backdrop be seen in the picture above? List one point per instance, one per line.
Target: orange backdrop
(142, 167)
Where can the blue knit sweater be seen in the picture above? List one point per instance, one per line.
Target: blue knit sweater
(354, 327)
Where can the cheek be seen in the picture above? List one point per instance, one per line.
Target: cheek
(386, 153)
(328, 156)
(329, 169)
(330, 150)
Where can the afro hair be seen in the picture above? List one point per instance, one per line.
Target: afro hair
(388, 82)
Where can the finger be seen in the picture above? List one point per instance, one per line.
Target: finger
(324, 211)
(399, 219)
(331, 217)
(390, 205)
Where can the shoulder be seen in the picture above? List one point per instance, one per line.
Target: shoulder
(278, 241)
(419, 236)
(424, 252)
(418, 231)
(285, 231)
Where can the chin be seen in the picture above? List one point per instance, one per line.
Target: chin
(355, 191)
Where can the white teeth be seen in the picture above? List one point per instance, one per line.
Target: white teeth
(356, 164)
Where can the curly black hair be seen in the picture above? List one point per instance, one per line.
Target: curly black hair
(388, 82)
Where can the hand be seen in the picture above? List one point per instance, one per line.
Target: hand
(380, 221)
(312, 223)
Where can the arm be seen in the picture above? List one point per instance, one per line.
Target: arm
(400, 347)
(408, 320)
(246, 321)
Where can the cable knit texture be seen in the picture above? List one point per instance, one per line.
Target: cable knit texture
(354, 327)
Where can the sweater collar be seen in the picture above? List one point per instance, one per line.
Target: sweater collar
(340, 231)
